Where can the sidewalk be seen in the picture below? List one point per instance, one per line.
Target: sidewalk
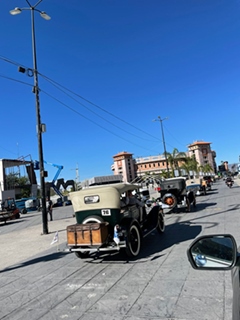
(23, 244)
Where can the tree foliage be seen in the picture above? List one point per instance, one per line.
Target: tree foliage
(13, 181)
(206, 168)
(190, 164)
(174, 159)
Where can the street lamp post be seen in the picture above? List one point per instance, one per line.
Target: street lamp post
(164, 145)
(40, 126)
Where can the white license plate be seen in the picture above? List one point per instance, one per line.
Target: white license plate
(106, 212)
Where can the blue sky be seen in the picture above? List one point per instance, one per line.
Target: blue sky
(108, 68)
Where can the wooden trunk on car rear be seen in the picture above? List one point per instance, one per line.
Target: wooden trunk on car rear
(87, 234)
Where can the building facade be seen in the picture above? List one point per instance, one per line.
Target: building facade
(151, 164)
(124, 164)
(8, 166)
(130, 168)
(203, 154)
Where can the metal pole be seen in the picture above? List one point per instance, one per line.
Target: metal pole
(39, 128)
(164, 145)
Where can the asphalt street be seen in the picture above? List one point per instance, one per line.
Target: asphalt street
(40, 280)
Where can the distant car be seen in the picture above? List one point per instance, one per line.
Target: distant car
(218, 252)
(144, 194)
(198, 185)
(68, 203)
(200, 260)
(9, 210)
(174, 193)
(196, 188)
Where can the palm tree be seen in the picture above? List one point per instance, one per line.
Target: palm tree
(164, 174)
(190, 164)
(174, 158)
(206, 168)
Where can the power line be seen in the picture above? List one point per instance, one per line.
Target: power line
(114, 124)
(174, 138)
(77, 112)
(64, 89)
(95, 105)
(9, 61)
(12, 79)
(97, 124)
(72, 109)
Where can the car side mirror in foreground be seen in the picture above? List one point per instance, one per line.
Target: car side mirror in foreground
(215, 252)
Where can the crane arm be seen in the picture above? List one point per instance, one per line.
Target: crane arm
(60, 167)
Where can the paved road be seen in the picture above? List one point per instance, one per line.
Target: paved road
(41, 281)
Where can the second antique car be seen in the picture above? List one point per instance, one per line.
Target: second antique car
(105, 223)
(176, 195)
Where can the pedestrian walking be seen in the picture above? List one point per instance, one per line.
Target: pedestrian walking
(50, 208)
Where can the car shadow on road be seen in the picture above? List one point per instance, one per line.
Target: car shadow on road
(44, 258)
(9, 222)
(153, 245)
(212, 191)
(204, 205)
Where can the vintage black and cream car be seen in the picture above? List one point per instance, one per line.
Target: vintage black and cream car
(104, 222)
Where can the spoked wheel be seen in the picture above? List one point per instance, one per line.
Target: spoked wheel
(161, 222)
(133, 241)
(82, 255)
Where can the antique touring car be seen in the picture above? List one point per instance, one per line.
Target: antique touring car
(177, 195)
(106, 223)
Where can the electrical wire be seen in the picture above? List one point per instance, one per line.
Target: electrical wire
(174, 138)
(64, 89)
(9, 61)
(97, 124)
(57, 85)
(77, 112)
(72, 109)
(12, 79)
(116, 126)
